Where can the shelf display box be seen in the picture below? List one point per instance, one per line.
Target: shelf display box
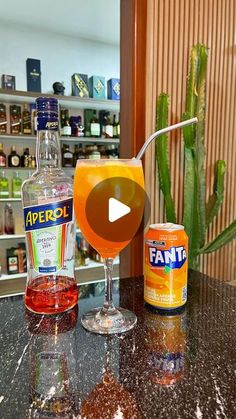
(8, 82)
(113, 89)
(97, 87)
(80, 85)
(33, 69)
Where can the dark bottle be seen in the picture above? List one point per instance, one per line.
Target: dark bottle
(78, 154)
(3, 159)
(67, 156)
(108, 127)
(13, 158)
(26, 121)
(95, 128)
(24, 160)
(9, 227)
(114, 127)
(15, 119)
(3, 119)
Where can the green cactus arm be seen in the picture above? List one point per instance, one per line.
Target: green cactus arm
(189, 188)
(162, 157)
(221, 240)
(191, 97)
(216, 199)
(199, 144)
(188, 132)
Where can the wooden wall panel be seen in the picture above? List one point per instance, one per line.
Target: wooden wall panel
(173, 27)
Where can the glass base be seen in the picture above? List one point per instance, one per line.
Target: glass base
(106, 323)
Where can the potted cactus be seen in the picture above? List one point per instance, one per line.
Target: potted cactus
(198, 214)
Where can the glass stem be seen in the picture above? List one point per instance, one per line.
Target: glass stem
(108, 305)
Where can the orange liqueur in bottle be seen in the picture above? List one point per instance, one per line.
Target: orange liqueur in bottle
(49, 221)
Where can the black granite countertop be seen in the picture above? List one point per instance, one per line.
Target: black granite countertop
(178, 366)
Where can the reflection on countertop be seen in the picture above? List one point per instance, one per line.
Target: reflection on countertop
(172, 365)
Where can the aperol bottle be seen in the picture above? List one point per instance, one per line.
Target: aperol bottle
(49, 221)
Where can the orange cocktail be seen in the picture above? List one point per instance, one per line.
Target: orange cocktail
(88, 175)
(96, 183)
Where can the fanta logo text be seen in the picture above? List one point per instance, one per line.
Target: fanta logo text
(173, 258)
(48, 215)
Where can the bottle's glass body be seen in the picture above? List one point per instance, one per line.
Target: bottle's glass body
(49, 222)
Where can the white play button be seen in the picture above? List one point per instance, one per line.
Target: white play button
(117, 210)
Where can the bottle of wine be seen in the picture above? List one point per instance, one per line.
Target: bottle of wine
(13, 158)
(16, 185)
(95, 128)
(26, 121)
(49, 221)
(3, 159)
(4, 186)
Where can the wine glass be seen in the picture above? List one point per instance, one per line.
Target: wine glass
(122, 180)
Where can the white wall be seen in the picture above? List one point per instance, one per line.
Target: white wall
(60, 56)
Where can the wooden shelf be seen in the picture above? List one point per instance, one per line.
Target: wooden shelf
(17, 96)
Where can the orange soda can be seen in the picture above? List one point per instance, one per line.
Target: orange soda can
(166, 266)
(165, 345)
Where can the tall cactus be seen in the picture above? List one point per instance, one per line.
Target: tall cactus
(197, 214)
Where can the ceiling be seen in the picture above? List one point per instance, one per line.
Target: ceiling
(90, 19)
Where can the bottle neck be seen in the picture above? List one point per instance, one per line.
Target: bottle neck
(48, 153)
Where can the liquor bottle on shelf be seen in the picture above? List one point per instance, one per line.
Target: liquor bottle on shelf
(26, 121)
(116, 127)
(67, 156)
(3, 159)
(80, 127)
(78, 154)
(84, 247)
(4, 186)
(92, 152)
(65, 128)
(95, 128)
(108, 127)
(9, 225)
(49, 221)
(112, 152)
(15, 119)
(33, 162)
(3, 119)
(16, 185)
(102, 151)
(33, 118)
(13, 158)
(77, 128)
(24, 159)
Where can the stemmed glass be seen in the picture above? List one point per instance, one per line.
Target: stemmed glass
(95, 182)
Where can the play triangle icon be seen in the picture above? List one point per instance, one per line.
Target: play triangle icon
(117, 210)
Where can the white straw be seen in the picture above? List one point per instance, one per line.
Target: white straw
(163, 131)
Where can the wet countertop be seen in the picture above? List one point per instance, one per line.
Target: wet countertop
(176, 366)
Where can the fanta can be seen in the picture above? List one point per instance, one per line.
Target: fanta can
(166, 266)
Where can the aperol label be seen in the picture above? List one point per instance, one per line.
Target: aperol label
(46, 228)
(166, 266)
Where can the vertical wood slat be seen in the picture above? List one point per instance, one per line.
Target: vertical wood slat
(174, 26)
